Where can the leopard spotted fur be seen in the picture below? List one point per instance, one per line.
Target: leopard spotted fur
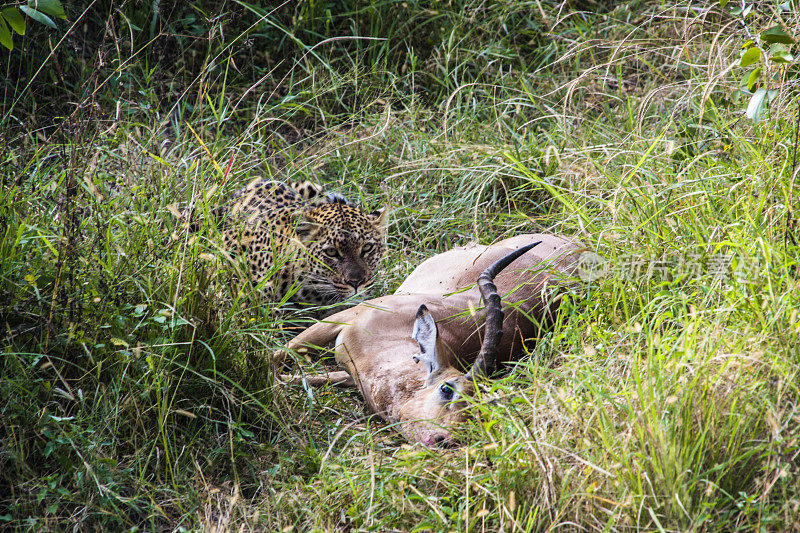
(302, 245)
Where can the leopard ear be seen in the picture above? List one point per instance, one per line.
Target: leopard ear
(305, 229)
(379, 217)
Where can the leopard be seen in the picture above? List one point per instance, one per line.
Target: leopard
(303, 245)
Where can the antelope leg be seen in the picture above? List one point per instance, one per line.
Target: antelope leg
(312, 339)
(339, 378)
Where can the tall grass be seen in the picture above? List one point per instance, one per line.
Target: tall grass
(136, 389)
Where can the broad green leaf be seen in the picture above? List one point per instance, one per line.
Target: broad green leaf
(743, 82)
(722, 3)
(756, 105)
(750, 57)
(781, 57)
(779, 53)
(15, 19)
(771, 94)
(752, 80)
(38, 17)
(50, 7)
(776, 34)
(5, 35)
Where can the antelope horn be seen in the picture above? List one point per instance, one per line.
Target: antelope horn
(485, 363)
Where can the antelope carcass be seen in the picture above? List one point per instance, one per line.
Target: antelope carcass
(406, 352)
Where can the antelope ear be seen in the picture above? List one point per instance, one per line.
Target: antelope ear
(425, 333)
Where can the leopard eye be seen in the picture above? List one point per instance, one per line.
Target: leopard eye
(331, 252)
(367, 248)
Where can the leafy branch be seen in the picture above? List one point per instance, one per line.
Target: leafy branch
(768, 53)
(42, 11)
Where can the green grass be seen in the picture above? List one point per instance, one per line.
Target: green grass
(136, 391)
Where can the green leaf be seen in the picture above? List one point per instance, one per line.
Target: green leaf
(781, 57)
(15, 19)
(743, 83)
(38, 17)
(752, 80)
(51, 7)
(722, 3)
(779, 53)
(776, 34)
(771, 94)
(756, 105)
(750, 57)
(736, 10)
(5, 35)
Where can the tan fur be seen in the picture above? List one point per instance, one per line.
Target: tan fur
(373, 340)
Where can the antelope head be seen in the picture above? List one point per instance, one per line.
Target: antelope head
(440, 404)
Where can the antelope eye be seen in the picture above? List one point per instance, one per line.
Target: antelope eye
(447, 391)
(331, 252)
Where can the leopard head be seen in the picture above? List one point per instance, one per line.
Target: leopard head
(342, 247)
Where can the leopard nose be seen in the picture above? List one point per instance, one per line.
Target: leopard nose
(355, 283)
(355, 277)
